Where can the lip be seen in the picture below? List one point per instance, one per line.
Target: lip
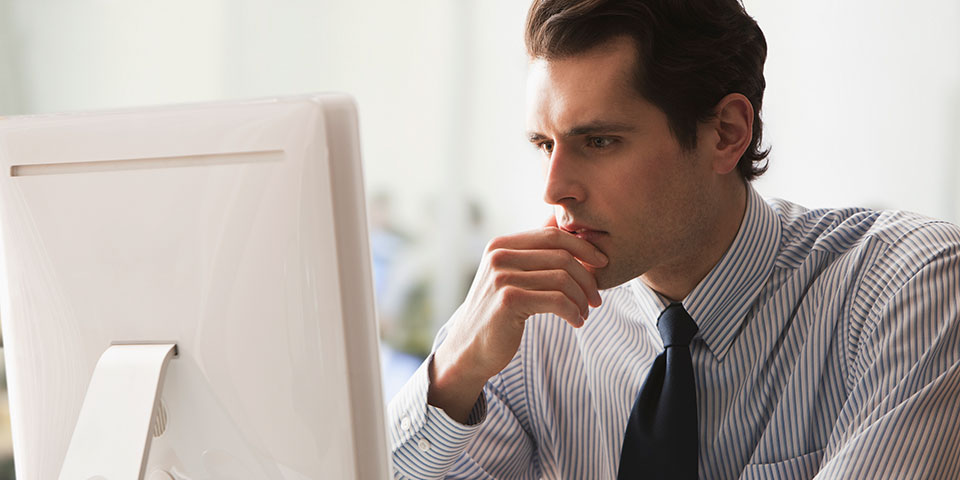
(574, 228)
(584, 232)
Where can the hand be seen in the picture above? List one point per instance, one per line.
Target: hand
(540, 271)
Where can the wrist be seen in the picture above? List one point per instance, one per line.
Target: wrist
(453, 389)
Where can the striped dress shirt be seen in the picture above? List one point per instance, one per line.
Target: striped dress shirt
(829, 347)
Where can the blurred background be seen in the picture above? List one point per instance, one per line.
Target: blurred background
(862, 108)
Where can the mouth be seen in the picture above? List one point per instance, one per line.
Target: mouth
(578, 228)
(585, 233)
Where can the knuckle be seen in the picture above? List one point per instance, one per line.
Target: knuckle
(510, 296)
(497, 257)
(502, 279)
(563, 256)
(571, 309)
(574, 303)
(495, 244)
(559, 276)
(583, 305)
(561, 298)
(568, 301)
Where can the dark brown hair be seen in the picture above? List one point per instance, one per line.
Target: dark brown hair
(690, 54)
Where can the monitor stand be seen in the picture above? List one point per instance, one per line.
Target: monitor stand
(113, 432)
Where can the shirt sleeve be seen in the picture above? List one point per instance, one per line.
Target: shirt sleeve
(426, 443)
(902, 416)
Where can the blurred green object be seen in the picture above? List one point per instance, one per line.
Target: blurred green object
(415, 335)
(6, 469)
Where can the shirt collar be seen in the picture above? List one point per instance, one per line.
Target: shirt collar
(720, 302)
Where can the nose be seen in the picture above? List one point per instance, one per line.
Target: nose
(564, 183)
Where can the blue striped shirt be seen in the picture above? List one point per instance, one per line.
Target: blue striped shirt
(829, 347)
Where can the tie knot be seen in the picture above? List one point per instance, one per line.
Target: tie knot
(676, 326)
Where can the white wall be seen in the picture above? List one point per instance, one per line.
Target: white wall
(9, 61)
(503, 169)
(76, 55)
(863, 103)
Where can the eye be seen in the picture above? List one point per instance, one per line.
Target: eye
(599, 142)
(546, 147)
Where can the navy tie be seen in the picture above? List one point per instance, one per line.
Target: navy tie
(661, 437)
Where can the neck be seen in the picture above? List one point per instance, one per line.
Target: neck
(675, 280)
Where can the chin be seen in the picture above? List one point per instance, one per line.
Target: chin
(608, 278)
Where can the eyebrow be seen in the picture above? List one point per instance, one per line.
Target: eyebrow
(587, 129)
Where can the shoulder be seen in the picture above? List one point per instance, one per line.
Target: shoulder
(918, 264)
(902, 238)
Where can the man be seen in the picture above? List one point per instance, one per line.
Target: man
(817, 344)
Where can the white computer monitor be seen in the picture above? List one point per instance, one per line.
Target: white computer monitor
(235, 231)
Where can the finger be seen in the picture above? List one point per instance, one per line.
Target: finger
(534, 260)
(552, 238)
(550, 280)
(532, 302)
(552, 222)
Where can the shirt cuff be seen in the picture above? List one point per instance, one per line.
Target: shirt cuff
(424, 440)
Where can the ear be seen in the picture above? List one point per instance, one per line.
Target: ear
(732, 131)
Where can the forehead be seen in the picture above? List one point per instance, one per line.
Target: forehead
(597, 84)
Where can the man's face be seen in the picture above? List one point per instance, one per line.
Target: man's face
(615, 173)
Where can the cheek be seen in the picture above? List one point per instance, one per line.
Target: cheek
(636, 187)
(651, 202)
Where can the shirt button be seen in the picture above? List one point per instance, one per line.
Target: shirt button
(405, 424)
(423, 445)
